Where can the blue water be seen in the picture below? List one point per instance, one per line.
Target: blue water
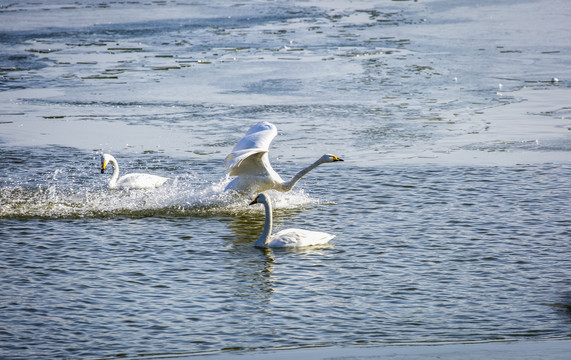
(450, 211)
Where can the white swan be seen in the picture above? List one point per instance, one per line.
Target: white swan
(287, 237)
(250, 163)
(130, 181)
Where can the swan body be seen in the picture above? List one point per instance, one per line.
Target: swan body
(287, 237)
(130, 181)
(250, 164)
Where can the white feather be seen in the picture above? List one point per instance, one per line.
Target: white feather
(250, 164)
(287, 237)
(130, 181)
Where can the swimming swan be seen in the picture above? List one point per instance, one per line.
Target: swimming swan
(130, 181)
(250, 163)
(287, 237)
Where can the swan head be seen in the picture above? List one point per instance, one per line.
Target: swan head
(104, 161)
(260, 199)
(329, 158)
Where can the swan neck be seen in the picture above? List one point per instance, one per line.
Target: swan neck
(115, 176)
(264, 239)
(288, 185)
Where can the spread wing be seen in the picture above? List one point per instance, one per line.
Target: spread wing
(250, 155)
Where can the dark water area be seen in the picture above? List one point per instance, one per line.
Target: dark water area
(451, 210)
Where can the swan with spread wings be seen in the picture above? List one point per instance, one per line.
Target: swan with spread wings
(250, 164)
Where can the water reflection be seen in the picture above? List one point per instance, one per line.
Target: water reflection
(481, 249)
(260, 271)
(247, 225)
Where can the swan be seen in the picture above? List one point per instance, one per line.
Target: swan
(250, 163)
(287, 237)
(130, 181)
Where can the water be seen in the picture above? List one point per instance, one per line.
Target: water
(451, 210)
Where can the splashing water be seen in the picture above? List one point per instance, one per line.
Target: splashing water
(183, 196)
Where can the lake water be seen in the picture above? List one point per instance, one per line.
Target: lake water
(451, 211)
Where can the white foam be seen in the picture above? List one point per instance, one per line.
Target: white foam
(185, 195)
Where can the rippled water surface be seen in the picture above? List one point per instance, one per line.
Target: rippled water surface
(451, 210)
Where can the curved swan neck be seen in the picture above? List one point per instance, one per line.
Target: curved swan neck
(288, 185)
(115, 176)
(264, 239)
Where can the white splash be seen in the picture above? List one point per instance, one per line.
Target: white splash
(185, 195)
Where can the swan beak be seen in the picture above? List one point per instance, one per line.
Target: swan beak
(335, 158)
(103, 167)
(255, 201)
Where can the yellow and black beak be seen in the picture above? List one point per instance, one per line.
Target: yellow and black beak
(335, 158)
(103, 165)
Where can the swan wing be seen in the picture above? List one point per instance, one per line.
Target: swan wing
(141, 181)
(252, 162)
(299, 238)
(250, 155)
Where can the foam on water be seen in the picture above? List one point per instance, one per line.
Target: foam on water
(452, 202)
(183, 196)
